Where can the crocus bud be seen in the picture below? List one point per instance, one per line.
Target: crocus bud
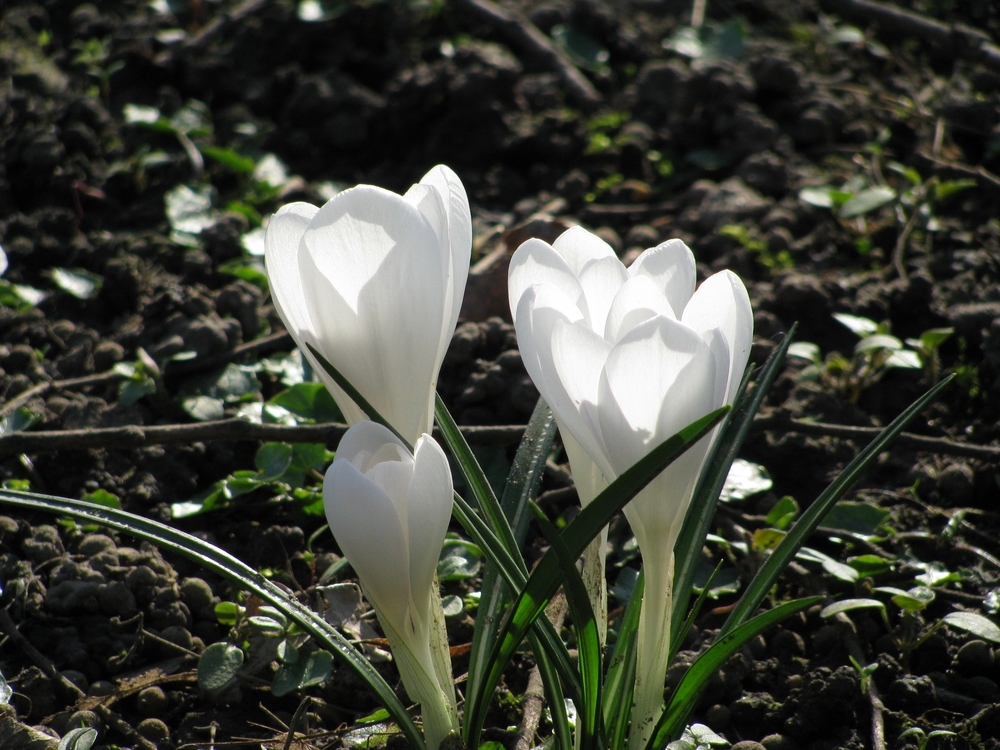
(374, 281)
(389, 511)
(626, 357)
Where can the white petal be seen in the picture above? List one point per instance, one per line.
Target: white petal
(722, 302)
(365, 441)
(367, 527)
(542, 309)
(597, 267)
(281, 249)
(372, 279)
(535, 262)
(639, 299)
(658, 378)
(671, 267)
(459, 231)
(429, 502)
(580, 248)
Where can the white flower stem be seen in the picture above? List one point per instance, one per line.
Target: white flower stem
(652, 647)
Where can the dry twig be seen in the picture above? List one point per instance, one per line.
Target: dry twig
(523, 35)
(957, 39)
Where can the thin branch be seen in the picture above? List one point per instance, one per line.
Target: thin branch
(523, 35)
(137, 436)
(957, 39)
(848, 432)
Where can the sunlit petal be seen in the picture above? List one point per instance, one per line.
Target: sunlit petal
(367, 527)
(542, 310)
(428, 511)
(671, 267)
(722, 302)
(380, 307)
(458, 242)
(281, 249)
(596, 266)
(639, 299)
(658, 378)
(536, 263)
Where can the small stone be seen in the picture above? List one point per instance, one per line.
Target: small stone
(8, 527)
(956, 484)
(95, 544)
(748, 745)
(99, 688)
(152, 702)
(84, 719)
(975, 658)
(779, 742)
(912, 694)
(718, 717)
(153, 730)
(787, 644)
(117, 600)
(642, 235)
(178, 635)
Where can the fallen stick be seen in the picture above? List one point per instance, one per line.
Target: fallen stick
(520, 34)
(137, 436)
(956, 38)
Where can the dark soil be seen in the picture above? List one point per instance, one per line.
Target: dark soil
(101, 630)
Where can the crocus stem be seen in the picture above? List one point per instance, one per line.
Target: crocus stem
(652, 646)
(416, 668)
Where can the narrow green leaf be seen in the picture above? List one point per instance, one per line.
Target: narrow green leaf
(807, 523)
(522, 485)
(219, 561)
(545, 578)
(589, 715)
(686, 695)
(475, 479)
(687, 551)
(619, 682)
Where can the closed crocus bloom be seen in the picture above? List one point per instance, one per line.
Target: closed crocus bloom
(389, 511)
(626, 358)
(374, 281)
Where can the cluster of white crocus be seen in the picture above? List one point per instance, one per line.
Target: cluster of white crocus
(625, 357)
(374, 282)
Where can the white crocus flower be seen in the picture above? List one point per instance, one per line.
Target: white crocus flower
(374, 281)
(389, 511)
(626, 358)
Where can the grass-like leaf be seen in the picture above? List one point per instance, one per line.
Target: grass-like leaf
(619, 682)
(589, 714)
(219, 561)
(548, 640)
(685, 697)
(807, 523)
(476, 480)
(523, 483)
(546, 577)
(687, 551)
